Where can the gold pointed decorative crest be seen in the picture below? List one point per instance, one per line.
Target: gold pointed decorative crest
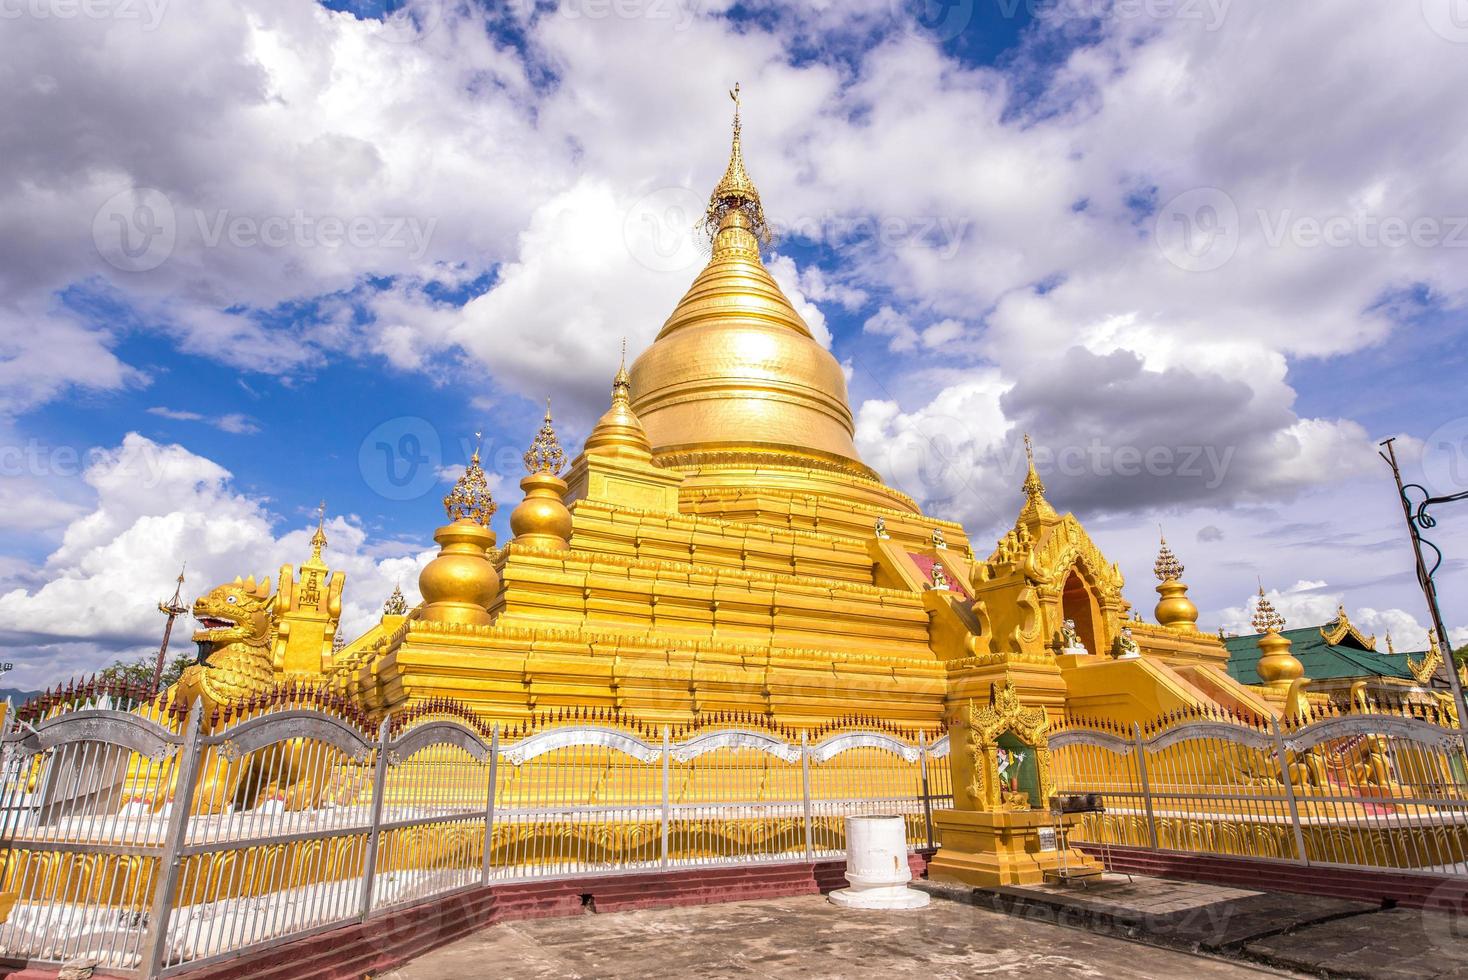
(470, 499)
(318, 540)
(1167, 568)
(1034, 489)
(1341, 627)
(1266, 618)
(736, 191)
(545, 454)
(396, 604)
(1422, 670)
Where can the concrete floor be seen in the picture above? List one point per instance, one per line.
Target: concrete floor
(805, 939)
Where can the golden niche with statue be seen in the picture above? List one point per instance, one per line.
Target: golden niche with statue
(1000, 831)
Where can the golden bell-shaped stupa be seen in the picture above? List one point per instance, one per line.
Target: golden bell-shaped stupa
(736, 380)
(1277, 665)
(461, 582)
(1174, 609)
(542, 520)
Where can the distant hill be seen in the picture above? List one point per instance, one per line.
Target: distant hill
(17, 697)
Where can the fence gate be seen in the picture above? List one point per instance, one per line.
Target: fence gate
(84, 801)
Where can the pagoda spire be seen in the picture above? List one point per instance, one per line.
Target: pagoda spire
(1036, 505)
(619, 431)
(736, 193)
(318, 540)
(1277, 665)
(1174, 609)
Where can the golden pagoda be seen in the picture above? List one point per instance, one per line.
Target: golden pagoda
(719, 545)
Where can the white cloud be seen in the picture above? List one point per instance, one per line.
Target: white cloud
(236, 423)
(156, 507)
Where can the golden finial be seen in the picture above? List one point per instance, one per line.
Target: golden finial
(1266, 618)
(736, 191)
(470, 498)
(318, 540)
(1032, 485)
(622, 383)
(1389, 647)
(1034, 489)
(1167, 568)
(397, 603)
(545, 454)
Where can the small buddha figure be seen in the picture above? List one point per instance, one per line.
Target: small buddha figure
(940, 578)
(1126, 647)
(938, 541)
(1070, 640)
(882, 527)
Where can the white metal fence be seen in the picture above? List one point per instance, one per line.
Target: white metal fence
(157, 851)
(1359, 791)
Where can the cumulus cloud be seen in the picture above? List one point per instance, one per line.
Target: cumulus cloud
(157, 506)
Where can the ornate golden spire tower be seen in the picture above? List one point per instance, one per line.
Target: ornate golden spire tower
(460, 583)
(542, 520)
(1174, 609)
(735, 380)
(619, 431)
(1036, 506)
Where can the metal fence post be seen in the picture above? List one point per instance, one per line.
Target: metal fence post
(667, 791)
(927, 796)
(810, 851)
(168, 861)
(1289, 789)
(379, 788)
(1141, 751)
(494, 769)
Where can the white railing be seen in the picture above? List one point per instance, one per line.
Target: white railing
(158, 851)
(1364, 791)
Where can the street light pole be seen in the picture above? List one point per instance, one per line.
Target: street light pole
(173, 608)
(1417, 520)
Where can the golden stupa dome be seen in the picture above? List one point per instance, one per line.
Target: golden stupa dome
(735, 375)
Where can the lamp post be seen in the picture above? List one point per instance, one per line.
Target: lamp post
(173, 609)
(1418, 520)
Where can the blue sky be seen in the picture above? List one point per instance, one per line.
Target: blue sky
(1099, 223)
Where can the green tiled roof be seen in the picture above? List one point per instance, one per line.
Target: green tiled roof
(1322, 661)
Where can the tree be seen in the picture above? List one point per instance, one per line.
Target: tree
(140, 672)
